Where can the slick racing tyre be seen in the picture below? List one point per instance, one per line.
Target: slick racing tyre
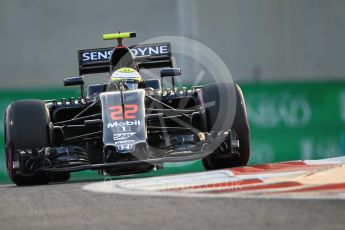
(26, 128)
(223, 112)
(139, 153)
(60, 177)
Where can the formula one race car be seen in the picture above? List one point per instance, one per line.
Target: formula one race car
(128, 125)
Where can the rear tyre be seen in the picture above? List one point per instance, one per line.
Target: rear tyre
(221, 116)
(94, 152)
(26, 128)
(139, 153)
(60, 177)
(130, 170)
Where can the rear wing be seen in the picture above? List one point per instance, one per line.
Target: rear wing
(156, 55)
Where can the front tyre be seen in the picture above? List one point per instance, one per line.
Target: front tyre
(26, 128)
(227, 112)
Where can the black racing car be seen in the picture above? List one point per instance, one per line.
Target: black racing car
(127, 125)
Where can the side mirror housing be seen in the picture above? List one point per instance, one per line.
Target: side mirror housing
(73, 81)
(170, 72)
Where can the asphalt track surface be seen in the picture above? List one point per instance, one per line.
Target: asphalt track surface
(68, 206)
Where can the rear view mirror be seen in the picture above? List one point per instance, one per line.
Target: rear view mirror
(170, 72)
(73, 81)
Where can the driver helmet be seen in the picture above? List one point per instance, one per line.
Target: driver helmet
(129, 76)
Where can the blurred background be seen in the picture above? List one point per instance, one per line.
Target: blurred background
(287, 55)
